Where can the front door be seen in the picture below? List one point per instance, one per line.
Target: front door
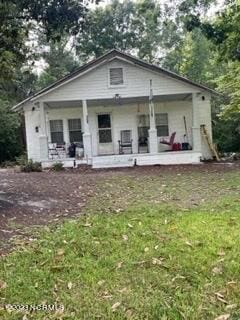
(105, 144)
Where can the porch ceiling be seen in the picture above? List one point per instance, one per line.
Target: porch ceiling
(120, 101)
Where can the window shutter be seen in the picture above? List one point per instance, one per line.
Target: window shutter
(116, 76)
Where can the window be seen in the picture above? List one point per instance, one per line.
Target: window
(162, 124)
(56, 129)
(104, 128)
(115, 76)
(75, 130)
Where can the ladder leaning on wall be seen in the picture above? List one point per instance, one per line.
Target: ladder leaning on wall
(212, 147)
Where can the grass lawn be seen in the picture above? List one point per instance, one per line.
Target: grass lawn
(150, 247)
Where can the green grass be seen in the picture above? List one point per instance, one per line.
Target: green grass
(149, 261)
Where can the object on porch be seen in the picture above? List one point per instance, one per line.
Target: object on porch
(52, 150)
(185, 146)
(167, 145)
(143, 145)
(79, 150)
(212, 147)
(126, 141)
(72, 150)
(56, 151)
(176, 147)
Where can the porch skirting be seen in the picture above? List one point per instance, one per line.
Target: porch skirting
(129, 160)
(163, 158)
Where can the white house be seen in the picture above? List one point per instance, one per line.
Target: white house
(118, 111)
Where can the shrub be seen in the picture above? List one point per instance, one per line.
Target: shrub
(10, 132)
(30, 166)
(57, 166)
(8, 164)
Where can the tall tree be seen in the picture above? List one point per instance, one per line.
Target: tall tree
(141, 27)
(59, 60)
(19, 17)
(10, 137)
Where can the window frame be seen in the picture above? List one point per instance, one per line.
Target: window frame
(52, 132)
(158, 126)
(116, 85)
(105, 128)
(77, 130)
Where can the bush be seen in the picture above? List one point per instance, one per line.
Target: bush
(57, 166)
(10, 133)
(8, 164)
(30, 166)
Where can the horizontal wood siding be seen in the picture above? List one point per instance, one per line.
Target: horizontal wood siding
(94, 85)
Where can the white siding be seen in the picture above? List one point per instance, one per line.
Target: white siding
(205, 118)
(32, 120)
(95, 85)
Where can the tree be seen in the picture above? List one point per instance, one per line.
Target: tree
(20, 17)
(140, 27)
(59, 60)
(10, 136)
(21, 22)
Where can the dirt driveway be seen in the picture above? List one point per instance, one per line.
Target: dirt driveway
(28, 199)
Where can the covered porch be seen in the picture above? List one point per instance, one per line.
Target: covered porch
(121, 131)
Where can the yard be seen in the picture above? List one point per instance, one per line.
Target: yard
(139, 243)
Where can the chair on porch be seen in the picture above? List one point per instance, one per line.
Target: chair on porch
(56, 151)
(52, 150)
(169, 143)
(125, 141)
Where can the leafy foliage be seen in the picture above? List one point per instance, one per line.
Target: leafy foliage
(29, 165)
(21, 17)
(10, 125)
(57, 166)
(225, 31)
(138, 27)
(60, 61)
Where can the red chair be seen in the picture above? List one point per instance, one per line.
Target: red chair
(171, 140)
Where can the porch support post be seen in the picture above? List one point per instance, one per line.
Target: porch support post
(43, 139)
(87, 137)
(196, 135)
(152, 132)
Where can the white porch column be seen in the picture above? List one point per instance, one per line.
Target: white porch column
(152, 132)
(87, 137)
(43, 139)
(196, 135)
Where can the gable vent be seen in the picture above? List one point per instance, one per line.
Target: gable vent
(116, 76)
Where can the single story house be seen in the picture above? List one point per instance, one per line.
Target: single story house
(117, 111)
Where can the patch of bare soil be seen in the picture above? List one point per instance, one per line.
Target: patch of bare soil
(30, 199)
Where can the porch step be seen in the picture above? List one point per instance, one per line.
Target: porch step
(118, 161)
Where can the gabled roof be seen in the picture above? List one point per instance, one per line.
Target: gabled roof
(114, 53)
